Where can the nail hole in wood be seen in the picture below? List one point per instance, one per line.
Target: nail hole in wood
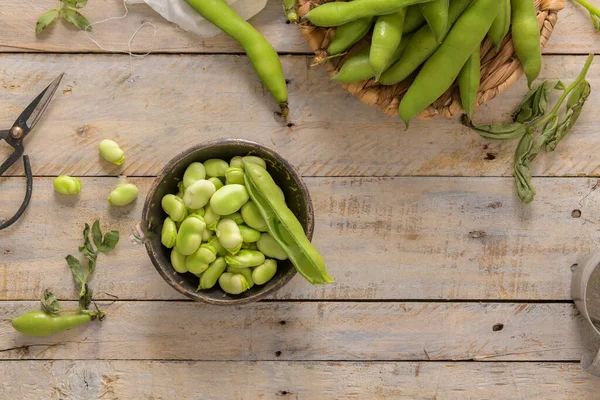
(277, 354)
(489, 157)
(574, 267)
(283, 393)
(281, 322)
(287, 81)
(290, 124)
(576, 213)
(498, 327)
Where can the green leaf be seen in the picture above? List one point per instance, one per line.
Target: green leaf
(86, 299)
(109, 242)
(536, 102)
(510, 131)
(75, 3)
(50, 304)
(522, 168)
(77, 270)
(97, 234)
(575, 103)
(595, 21)
(76, 18)
(45, 20)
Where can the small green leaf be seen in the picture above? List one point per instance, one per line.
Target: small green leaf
(75, 3)
(76, 18)
(595, 21)
(535, 103)
(50, 304)
(97, 234)
(110, 241)
(45, 20)
(76, 270)
(510, 131)
(575, 103)
(86, 299)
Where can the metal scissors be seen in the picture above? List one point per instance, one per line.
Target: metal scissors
(14, 137)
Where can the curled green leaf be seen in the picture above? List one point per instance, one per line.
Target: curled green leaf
(594, 12)
(75, 3)
(522, 168)
(536, 102)
(76, 18)
(575, 104)
(45, 20)
(509, 131)
(50, 304)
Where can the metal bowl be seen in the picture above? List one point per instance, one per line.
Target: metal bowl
(294, 189)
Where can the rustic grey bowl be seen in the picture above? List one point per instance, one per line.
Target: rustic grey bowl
(296, 194)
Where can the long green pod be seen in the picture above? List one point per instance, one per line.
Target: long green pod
(358, 67)
(348, 34)
(284, 227)
(436, 14)
(501, 25)
(387, 36)
(422, 45)
(414, 19)
(340, 13)
(526, 37)
(443, 67)
(39, 323)
(468, 82)
(263, 56)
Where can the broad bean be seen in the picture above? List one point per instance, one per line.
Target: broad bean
(436, 15)
(210, 277)
(468, 82)
(246, 272)
(198, 194)
(174, 207)
(348, 34)
(249, 246)
(264, 272)
(501, 25)
(526, 37)
(245, 258)
(234, 175)
(199, 211)
(207, 234)
(67, 185)
(229, 235)
(217, 182)
(123, 194)
(237, 161)
(248, 234)
(236, 217)
(387, 36)
(168, 234)
(270, 247)
(39, 323)
(414, 19)
(189, 236)
(219, 249)
(194, 172)
(111, 152)
(216, 168)
(233, 283)
(199, 261)
(255, 160)
(252, 217)
(178, 261)
(229, 199)
(211, 218)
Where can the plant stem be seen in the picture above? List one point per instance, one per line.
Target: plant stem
(568, 90)
(590, 7)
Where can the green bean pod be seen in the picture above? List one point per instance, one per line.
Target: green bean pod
(246, 272)
(264, 272)
(39, 323)
(468, 82)
(210, 277)
(443, 67)
(526, 37)
(233, 283)
(414, 19)
(422, 45)
(340, 13)
(501, 25)
(436, 15)
(387, 36)
(348, 34)
(263, 56)
(284, 226)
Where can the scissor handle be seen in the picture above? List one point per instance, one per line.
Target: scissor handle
(5, 224)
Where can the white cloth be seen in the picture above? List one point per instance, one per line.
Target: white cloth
(182, 14)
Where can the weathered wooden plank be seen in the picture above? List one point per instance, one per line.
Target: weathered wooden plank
(574, 34)
(311, 380)
(311, 331)
(400, 238)
(172, 102)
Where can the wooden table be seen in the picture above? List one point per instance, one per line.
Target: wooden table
(447, 287)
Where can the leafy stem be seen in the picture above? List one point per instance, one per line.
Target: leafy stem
(594, 12)
(67, 9)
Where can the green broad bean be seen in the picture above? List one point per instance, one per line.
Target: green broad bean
(189, 236)
(245, 258)
(436, 15)
(358, 67)
(249, 246)
(339, 13)
(111, 152)
(124, 194)
(194, 172)
(264, 272)
(215, 168)
(414, 19)
(199, 211)
(168, 234)
(237, 161)
(219, 249)
(348, 34)
(246, 272)
(501, 25)
(263, 56)
(207, 234)
(387, 36)
(443, 67)
(174, 207)
(178, 261)
(526, 37)
(468, 82)
(39, 323)
(422, 45)
(67, 185)
(270, 247)
(248, 234)
(198, 194)
(217, 182)
(229, 235)
(252, 217)
(199, 261)
(255, 160)
(233, 283)
(210, 277)
(236, 217)
(284, 226)
(234, 175)
(211, 218)
(229, 199)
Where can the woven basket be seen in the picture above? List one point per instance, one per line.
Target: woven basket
(498, 70)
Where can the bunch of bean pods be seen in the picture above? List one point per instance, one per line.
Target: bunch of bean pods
(229, 223)
(433, 43)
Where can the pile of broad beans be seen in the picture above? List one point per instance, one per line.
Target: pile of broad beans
(229, 224)
(433, 42)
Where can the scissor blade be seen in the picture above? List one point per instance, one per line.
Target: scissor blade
(31, 115)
